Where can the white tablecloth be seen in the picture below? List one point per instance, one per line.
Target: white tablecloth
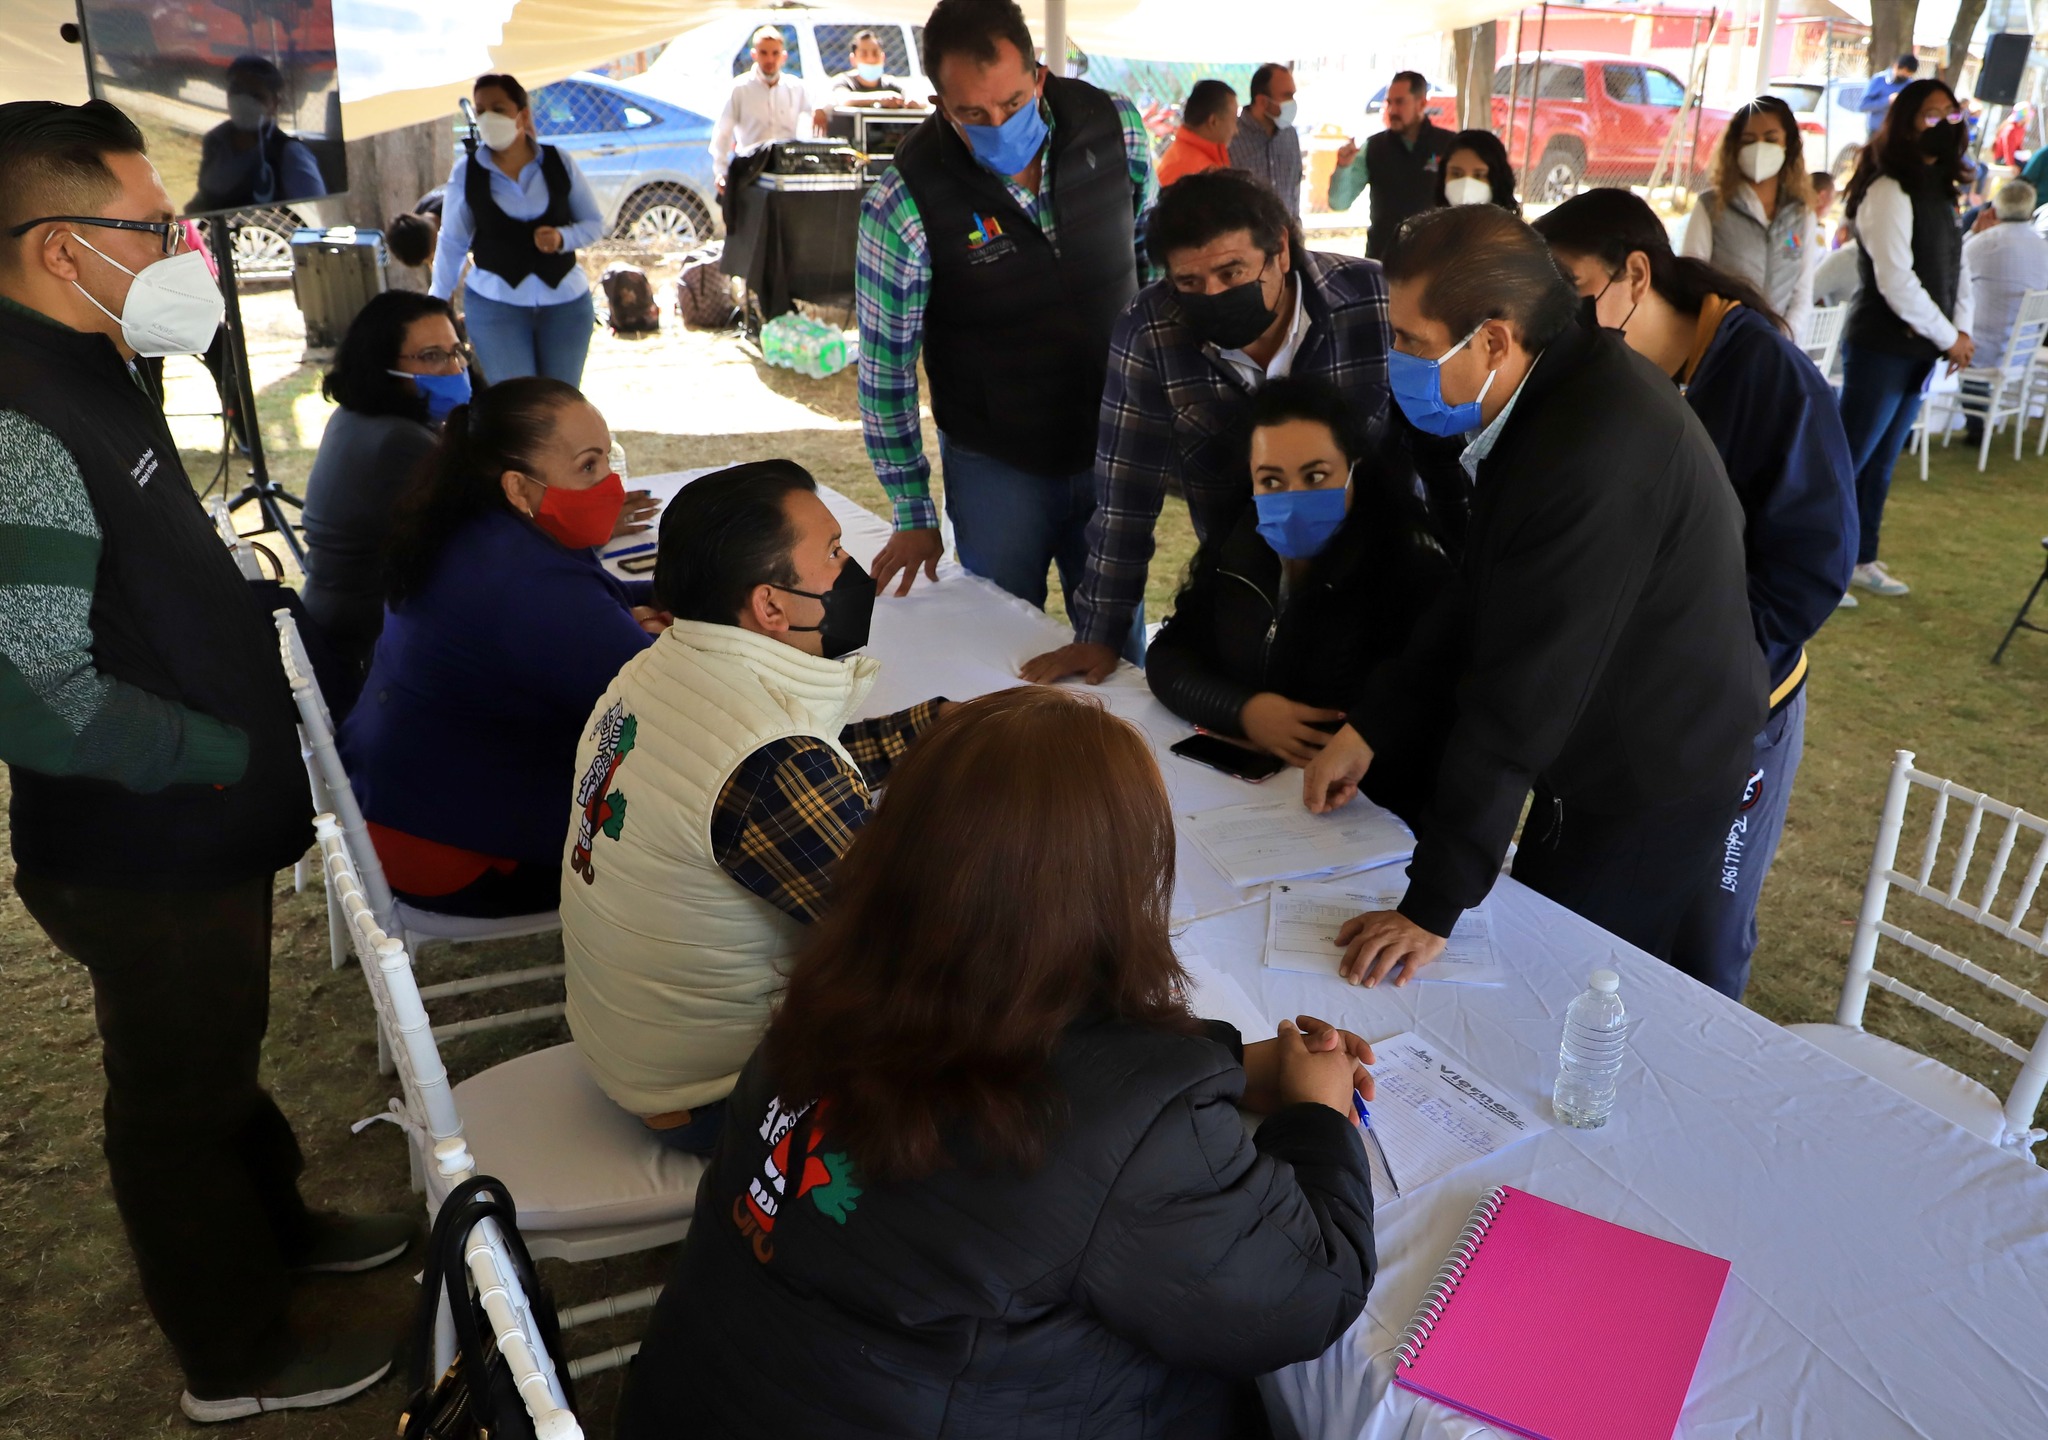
(1890, 1270)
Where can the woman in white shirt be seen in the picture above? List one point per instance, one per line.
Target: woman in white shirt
(518, 210)
(1913, 308)
(1756, 223)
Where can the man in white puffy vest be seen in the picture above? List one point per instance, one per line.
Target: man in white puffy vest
(719, 779)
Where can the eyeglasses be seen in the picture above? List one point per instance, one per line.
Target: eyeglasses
(170, 232)
(435, 355)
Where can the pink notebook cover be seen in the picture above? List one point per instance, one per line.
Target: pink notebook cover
(1564, 1327)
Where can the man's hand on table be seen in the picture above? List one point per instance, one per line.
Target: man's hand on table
(1092, 663)
(1376, 942)
(1269, 1065)
(640, 507)
(1284, 728)
(906, 552)
(1331, 779)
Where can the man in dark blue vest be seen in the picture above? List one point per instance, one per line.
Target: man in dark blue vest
(151, 745)
(1399, 165)
(1002, 245)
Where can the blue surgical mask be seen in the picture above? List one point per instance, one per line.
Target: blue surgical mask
(1298, 524)
(1419, 391)
(870, 73)
(443, 392)
(1007, 148)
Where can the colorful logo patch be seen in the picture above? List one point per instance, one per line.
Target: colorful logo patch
(604, 809)
(986, 228)
(826, 1176)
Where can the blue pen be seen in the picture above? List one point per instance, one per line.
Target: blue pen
(624, 551)
(1365, 1124)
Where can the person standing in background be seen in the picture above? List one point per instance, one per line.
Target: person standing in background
(767, 104)
(1266, 143)
(1913, 307)
(1756, 222)
(1002, 244)
(520, 210)
(1207, 122)
(1882, 89)
(1400, 164)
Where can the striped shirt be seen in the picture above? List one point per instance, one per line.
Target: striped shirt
(1273, 159)
(892, 286)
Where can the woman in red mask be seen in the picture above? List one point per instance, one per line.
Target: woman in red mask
(501, 630)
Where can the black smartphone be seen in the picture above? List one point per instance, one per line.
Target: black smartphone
(1252, 765)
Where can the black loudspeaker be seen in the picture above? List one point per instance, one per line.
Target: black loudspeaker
(2005, 60)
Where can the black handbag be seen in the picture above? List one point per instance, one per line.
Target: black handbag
(474, 1398)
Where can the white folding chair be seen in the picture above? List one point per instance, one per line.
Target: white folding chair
(1919, 1077)
(590, 1180)
(2007, 388)
(1820, 335)
(414, 927)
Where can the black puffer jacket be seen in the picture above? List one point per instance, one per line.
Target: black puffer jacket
(1126, 1288)
(1231, 636)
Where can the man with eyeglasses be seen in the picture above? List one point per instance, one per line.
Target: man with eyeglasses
(152, 748)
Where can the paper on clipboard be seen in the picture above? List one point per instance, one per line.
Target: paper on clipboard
(1301, 931)
(1268, 840)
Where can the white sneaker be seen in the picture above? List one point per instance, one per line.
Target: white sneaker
(1847, 602)
(1877, 580)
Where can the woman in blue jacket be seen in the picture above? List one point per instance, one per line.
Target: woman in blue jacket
(501, 630)
(1773, 418)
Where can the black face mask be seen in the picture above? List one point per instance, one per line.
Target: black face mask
(1589, 309)
(1945, 139)
(849, 610)
(1233, 318)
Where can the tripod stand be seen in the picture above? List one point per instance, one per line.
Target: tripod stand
(265, 494)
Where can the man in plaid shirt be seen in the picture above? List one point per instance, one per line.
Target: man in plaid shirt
(1002, 245)
(1242, 300)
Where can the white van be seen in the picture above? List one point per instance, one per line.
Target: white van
(698, 67)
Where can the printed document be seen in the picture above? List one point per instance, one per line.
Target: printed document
(1432, 1114)
(1251, 844)
(1306, 915)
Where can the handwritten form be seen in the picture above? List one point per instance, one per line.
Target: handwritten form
(1301, 931)
(1268, 840)
(1432, 1114)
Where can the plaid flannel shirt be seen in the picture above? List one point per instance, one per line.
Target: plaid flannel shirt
(892, 285)
(1174, 409)
(792, 807)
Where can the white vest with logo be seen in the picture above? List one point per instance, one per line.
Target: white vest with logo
(672, 963)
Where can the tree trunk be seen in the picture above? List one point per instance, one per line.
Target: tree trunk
(1476, 46)
(387, 175)
(1891, 32)
(1968, 12)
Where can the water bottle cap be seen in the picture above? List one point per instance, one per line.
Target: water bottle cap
(1605, 981)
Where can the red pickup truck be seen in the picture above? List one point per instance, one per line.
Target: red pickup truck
(1600, 120)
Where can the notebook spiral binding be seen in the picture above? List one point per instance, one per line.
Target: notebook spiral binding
(1448, 1275)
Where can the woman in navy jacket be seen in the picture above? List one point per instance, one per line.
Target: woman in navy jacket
(986, 1174)
(501, 630)
(1773, 418)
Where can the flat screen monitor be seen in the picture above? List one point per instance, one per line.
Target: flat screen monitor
(238, 99)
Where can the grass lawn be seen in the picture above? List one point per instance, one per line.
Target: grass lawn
(83, 1359)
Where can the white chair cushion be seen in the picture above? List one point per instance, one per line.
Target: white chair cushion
(1948, 1093)
(572, 1159)
(421, 924)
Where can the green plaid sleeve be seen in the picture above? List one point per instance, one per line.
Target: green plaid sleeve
(877, 744)
(1138, 149)
(892, 284)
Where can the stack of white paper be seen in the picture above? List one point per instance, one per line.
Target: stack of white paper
(1213, 995)
(1432, 1115)
(1301, 931)
(1265, 840)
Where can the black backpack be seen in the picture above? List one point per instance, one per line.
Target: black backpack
(474, 1399)
(630, 300)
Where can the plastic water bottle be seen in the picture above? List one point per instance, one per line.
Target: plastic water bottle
(1589, 1060)
(618, 462)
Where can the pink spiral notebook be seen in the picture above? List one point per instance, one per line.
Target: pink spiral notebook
(1558, 1326)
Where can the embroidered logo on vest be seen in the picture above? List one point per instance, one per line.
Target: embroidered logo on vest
(604, 809)
(824, 1175)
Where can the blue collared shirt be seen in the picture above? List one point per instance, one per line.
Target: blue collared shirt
(1481, 445)
(523, 199)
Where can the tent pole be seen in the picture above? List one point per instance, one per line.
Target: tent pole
(1536, 87)
(1766, 43)
(1056, 36)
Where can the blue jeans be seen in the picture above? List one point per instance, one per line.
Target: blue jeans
(1718, 935)
(1012, 526)
(699, 1134)
(1880, 402)
(515, 340)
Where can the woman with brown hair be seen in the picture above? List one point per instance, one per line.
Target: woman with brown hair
(1756, 222)
(986, 1173)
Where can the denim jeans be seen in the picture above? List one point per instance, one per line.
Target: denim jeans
(1880, 402)
(699, 1134)
(514, 340)
(1012, 526)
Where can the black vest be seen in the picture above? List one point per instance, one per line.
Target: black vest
(504, 246)
(1937, 260)
(1402, 181)
(172, 615)
(1016, 330)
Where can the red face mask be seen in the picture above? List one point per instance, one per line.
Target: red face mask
(582, 519)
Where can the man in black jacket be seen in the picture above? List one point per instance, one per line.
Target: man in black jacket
(1598, 634)
(157, 784)
(1399, 165)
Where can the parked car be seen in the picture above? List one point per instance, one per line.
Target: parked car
(698, 67)
(1599, 119)
(1834, 128)
(648, 160)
